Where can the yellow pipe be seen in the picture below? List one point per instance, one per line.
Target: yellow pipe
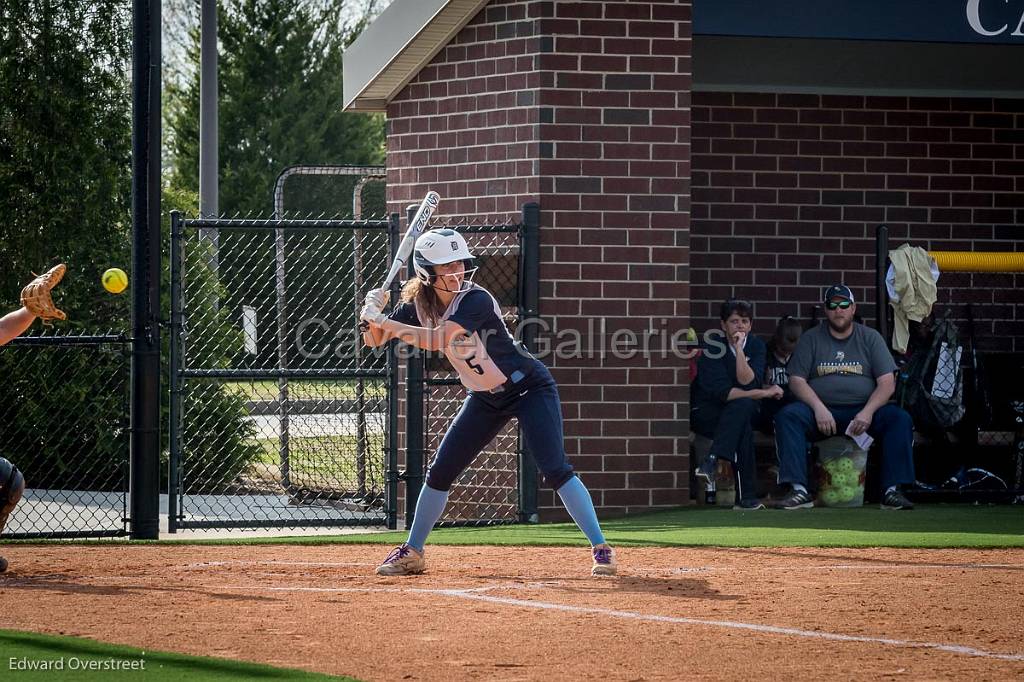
(978, 261)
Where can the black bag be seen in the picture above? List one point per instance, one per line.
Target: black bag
(934, 403)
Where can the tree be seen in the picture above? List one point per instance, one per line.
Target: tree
(65, 195)
(65, 150)
(280, 79)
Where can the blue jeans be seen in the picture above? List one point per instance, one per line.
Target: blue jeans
(795, 428)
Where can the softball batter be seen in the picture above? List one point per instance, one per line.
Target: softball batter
(442, 309)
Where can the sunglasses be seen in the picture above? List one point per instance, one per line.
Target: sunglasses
(841, 305)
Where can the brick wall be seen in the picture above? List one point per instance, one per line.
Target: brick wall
(788, 191)
(467, 125)
(583, 107)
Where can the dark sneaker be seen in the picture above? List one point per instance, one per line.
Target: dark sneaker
(604, 560)
(748, 505)
(708, 469)
(797, 499)
(894, 499)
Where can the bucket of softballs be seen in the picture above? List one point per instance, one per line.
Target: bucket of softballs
(841, 476)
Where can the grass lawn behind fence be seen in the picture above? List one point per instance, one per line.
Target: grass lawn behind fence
(301, 389)
(322, 460)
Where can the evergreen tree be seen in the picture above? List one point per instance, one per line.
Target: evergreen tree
(65, 150)
(280, 81)
(65, 195)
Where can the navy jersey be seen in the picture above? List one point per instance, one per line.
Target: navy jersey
(489, 356)
(777, 374)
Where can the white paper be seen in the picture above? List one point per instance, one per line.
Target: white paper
(249, 329)
(944, 384)
(863, 441)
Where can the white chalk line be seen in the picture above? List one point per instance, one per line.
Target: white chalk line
(476, 594)
(842, 567)
(324, 564)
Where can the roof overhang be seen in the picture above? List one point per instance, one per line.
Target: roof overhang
(856, 67)
(396, 45)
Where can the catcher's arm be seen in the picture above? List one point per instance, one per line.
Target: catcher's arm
(36, 295)
(13, 325)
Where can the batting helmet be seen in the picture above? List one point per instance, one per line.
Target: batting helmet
(12, 485)
(439, 247)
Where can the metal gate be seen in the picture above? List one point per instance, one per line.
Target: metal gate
(279, 417)
(500, 485)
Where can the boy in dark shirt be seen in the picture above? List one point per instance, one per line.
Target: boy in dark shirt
(724, 399)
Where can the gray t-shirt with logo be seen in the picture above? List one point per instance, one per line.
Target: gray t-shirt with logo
(841, 372)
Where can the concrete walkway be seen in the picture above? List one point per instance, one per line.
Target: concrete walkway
(51, 511)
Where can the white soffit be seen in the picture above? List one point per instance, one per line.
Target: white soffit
(396, 45)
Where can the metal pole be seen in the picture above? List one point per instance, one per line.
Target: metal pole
(881, 295)
(415, 424)
(145, 394)
(357, 290)
(392, 468)
(208, 132)
(174, 446)
(357, 285)
(282, 357)
(529, 309)
(371, 171)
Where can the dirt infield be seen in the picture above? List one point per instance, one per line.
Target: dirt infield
(536, 614)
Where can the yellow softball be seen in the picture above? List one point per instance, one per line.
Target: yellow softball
(114, 280)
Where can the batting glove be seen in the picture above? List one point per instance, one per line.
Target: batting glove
(378, 298)
(372, 314)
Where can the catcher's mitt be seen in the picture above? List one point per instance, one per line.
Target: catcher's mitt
(36, 294)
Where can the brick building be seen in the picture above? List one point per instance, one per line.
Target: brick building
(681, 155)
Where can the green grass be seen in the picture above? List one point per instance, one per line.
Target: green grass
(934, 526)
(74, 651)
(304, 390)
(321, 458)
(928, 526)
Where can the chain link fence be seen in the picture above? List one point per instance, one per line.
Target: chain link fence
(64, 421)
(279, 417)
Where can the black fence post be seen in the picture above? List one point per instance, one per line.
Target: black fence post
(415, 427)
(881, 296)
(529, 310)
(174, 428)
(392, 470)
(144, 484)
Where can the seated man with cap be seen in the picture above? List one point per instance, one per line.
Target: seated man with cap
(842, 375)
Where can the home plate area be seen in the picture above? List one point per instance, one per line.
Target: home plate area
(517, 613)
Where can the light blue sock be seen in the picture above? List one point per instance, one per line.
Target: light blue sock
(428, 510)
(578, 502)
